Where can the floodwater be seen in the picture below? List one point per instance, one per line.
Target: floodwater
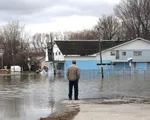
(31, 96)
(25, 97)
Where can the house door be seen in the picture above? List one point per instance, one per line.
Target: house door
(117, 54)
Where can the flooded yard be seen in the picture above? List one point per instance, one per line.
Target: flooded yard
(31, 96)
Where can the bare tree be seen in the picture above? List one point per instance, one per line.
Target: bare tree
(12, 42)
(109, 27)
(83, 35)
(135, 16)
(39, 41)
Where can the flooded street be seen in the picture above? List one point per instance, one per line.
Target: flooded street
(29, 97)
(24, 97)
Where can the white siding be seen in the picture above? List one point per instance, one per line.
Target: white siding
(61, 57)
(80, 57)
(58, 57)
(135, 45)
(106, 56)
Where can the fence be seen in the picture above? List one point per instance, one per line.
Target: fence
(115, 73)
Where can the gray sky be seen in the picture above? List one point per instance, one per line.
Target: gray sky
(55, 15)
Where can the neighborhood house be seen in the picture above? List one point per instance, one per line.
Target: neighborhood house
(115, 54)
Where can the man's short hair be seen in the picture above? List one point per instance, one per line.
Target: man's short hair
(73, 62)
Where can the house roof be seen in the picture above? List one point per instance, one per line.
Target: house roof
(84, 47)
(127, 42)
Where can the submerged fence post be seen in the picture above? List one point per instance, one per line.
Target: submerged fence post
(144, 75)
(100, 54)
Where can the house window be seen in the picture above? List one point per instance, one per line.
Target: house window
(137, 53)
(112, 53)
(56, 53)
(123, 53)
(59, 53)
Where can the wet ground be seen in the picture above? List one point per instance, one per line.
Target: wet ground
(113, 112)
(29, 96)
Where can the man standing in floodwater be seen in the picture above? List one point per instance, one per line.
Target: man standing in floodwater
(73, 75)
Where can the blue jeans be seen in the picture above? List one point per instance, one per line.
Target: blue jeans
(75, 84)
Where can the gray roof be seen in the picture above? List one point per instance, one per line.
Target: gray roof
(84, 47)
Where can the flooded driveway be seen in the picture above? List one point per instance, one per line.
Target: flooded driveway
(28, 97)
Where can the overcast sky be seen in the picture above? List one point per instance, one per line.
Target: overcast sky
(55, 15)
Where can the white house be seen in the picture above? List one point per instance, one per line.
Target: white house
(137, 49)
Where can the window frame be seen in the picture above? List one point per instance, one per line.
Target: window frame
(112, 53)
(137, 53)
(59, 53)
(124, 53)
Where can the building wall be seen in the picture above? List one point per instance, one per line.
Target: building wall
(58, 56)
(141, 66)
(137, 45)
(121, 65)
(92, 64)
(134, 45)
(130, 54)
(87, 64)
(73, 57)
(105, 56)
(140, 62)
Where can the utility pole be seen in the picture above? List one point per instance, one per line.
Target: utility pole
(100, 54)
(52, 53)
(2, 61)
(2, 52)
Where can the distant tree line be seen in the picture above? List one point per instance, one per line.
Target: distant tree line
(18, 45)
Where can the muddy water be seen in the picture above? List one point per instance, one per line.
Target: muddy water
(28, 97)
